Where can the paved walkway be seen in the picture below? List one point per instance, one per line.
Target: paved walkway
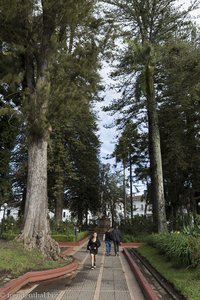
(111, 280)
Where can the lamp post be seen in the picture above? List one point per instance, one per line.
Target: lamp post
(3, 219)
(131, 187)
(198, 207)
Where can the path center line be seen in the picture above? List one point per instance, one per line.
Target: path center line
(98, 286)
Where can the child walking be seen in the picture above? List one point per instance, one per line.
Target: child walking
(93, 245)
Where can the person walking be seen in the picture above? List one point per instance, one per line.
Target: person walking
(116, 237)
(93, 245)
(107, 239)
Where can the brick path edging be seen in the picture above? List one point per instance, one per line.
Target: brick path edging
(131, 244)
(146, 288)
(14, 285)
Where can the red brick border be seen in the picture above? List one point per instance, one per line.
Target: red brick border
(14, 285)
(146, 288)
(132, 244)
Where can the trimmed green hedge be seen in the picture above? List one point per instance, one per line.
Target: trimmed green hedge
(128, 238)
(70, 237)
(57, 237)
(181, 249)
(9, 236)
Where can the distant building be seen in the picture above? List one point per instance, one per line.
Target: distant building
(14, 212)
(9, 212)
(67, 215)
(140, 208)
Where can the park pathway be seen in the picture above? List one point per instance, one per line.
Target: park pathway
(111, 280)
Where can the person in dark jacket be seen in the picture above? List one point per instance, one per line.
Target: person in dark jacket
(107, 239)
(93, 245)
(116, 237)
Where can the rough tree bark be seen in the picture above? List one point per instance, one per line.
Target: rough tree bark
(59, 200)
(159, 213)
(36, 232)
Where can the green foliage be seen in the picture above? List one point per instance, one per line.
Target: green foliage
(9, 236)
(185, 280)
(53, 96)
(70, 236)
(133, 238)
(179, 127)
(11, 228)
(139, 225)
(9, 126)
(12, 225)
(74, 162)
(111, 190)
(181, 249)
(61, 227)
(23, 261)
(64, 231)
(61, 231)
(191, 230)
(81, 235)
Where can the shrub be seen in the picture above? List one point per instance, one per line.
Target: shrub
(139, 225)
(191, 230)
(128, 238)
(69, 237)
(181, 249)
(61, 227)
(9, 236)
(12, 225)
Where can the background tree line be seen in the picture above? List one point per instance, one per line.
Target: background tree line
(51, 53)
(157, 77)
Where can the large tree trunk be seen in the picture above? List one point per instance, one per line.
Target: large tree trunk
(36, 231)
(59, 200)
(80, 213)
(124, 191)
(159, 214)
(131, 185)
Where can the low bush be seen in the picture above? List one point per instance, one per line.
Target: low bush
(128, 238)
(60, 227)
(139, 225)
(9, 236)
(63, 238)
(181, 249)
(11, 225)
(15, 260)
(69, 237)
(185, 280)
(61, 231)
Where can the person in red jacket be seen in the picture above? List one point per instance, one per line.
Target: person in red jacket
(93, 245)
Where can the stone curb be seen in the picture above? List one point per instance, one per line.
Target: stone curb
(14, 285)
(132, 244)
(146, 288)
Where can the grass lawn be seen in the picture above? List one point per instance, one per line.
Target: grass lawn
(15, 261)
(185, 280)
